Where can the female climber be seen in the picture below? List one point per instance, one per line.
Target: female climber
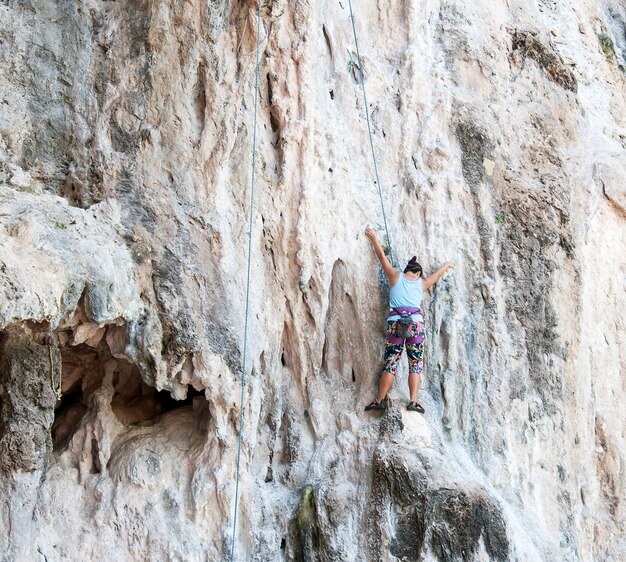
(405, 324)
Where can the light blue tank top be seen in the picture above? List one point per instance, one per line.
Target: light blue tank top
(408, 294)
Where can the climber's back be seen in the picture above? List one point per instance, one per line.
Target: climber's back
(405, 292)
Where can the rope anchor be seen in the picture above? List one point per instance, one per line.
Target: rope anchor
(355, 69)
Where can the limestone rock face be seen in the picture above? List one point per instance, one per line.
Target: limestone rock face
(125, 169)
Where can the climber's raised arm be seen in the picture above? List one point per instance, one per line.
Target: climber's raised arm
(391, 273)
(432, 279)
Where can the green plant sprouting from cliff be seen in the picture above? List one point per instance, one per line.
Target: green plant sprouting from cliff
(607, 45)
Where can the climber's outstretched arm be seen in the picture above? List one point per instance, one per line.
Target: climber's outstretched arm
(432, 279)
(390, 271)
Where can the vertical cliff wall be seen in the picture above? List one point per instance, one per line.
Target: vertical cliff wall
(125, 137)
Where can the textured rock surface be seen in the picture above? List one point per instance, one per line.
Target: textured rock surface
(125, 135)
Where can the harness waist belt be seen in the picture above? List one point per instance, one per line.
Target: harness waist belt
(399, 311)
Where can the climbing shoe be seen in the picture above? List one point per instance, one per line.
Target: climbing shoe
(415, 407)
(376, 406)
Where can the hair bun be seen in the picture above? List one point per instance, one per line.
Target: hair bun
(413, 266)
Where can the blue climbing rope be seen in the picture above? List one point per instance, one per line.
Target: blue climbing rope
(245, 328)
(369, 130)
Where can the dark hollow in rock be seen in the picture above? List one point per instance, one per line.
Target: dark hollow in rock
(133, 402)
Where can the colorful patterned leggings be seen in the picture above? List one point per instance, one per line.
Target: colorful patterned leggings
(414, 351)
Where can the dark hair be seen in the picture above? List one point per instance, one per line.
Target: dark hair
(413, 266)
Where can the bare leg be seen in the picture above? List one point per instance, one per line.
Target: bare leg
(414, 352)
(414, 386)
(386, 380)
(392, 356)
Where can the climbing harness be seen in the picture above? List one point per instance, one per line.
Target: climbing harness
(245, 328)
(405, 327)
(358, 64)
(405, 324)
(57, 389)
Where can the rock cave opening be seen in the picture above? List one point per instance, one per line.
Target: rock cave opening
(92, 356)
